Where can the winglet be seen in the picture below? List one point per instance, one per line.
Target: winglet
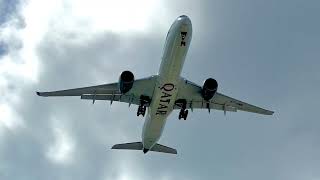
(269, 112)
(41, 94)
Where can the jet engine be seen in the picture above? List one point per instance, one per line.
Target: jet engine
(209, 88)
(126, 81)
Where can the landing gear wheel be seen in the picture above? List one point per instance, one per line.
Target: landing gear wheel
(185, 114)
(141, 110)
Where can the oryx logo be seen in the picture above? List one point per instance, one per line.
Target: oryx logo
(166, 93)
(183, 36)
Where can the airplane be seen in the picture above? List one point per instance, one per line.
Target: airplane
(160, 94)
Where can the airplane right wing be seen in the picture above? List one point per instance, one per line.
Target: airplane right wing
(142, 89)
(191, 92)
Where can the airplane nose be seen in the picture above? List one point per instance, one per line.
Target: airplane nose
(183, 16)
(184, 19)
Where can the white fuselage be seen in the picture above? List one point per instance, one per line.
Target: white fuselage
(166, 89)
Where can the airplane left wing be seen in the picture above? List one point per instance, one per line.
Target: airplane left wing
(191, 92)
(141, 87)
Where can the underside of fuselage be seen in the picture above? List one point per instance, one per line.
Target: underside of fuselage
(166, 89)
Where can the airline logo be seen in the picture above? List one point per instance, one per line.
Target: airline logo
(166, 94)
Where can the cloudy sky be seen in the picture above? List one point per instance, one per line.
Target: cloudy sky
(263, 52)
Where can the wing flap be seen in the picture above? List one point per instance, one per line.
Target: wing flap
(114, 97)
(204, 105)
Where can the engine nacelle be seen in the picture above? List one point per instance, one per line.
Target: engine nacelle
(209, 88)
(126, 81)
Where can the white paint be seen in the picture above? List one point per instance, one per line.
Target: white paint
(164, 98)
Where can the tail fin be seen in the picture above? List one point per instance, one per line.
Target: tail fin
(139, 146)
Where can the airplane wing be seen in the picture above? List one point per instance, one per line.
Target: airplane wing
(191, 92)
(141, 87)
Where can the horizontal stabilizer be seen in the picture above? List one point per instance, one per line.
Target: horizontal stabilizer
(139, 146)
(163, 149)
(129, 146)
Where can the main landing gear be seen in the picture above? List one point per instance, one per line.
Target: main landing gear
(144, 100)
(183, 112)
(141, 110)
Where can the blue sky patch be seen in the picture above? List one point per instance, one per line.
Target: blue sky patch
(3, 49)
(7, 9)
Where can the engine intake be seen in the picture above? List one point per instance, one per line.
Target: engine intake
(209, 88)
(126, 81)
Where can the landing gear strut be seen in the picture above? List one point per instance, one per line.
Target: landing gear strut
(144, 100)
(183, 112)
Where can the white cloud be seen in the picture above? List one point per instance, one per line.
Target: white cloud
(8, 118)
(61, 150)
(116, 16)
